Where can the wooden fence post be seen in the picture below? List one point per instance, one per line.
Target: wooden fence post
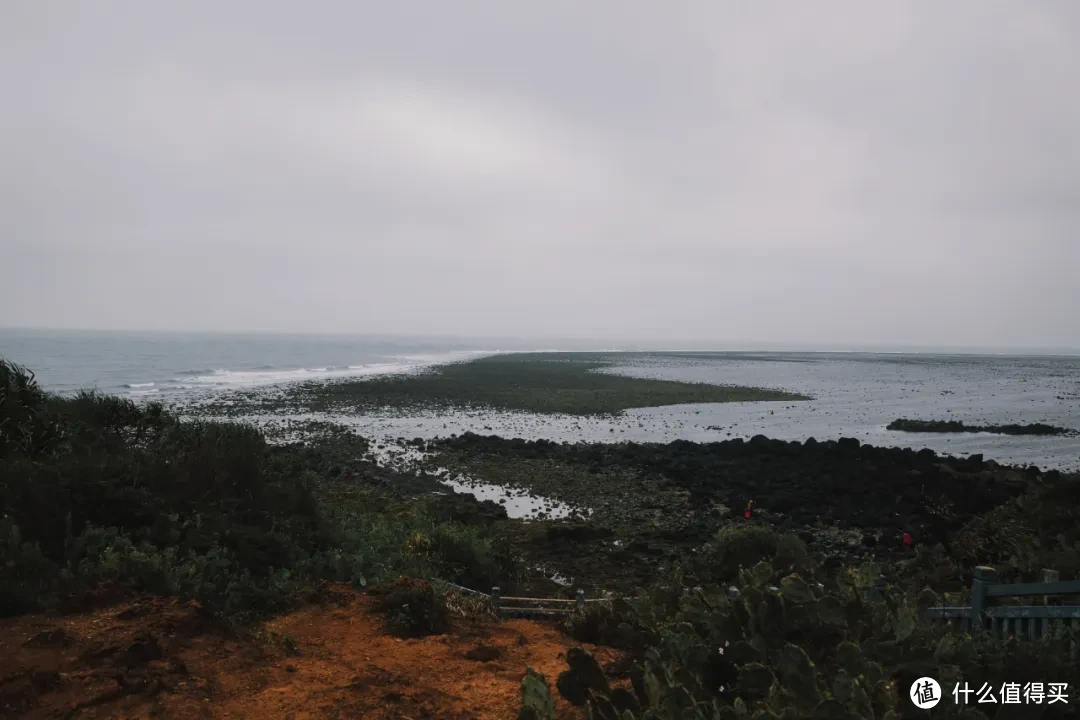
(1049, 576)
(496, 597)
(984, 577)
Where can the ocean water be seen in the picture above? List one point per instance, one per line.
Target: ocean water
(859, 394)
(173, 366)
(855, 394)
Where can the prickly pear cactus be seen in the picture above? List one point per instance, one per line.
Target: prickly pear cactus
(796, 590)
(851, 692)
(789, 644)
(867, 575)
(600, 707)
(536, 701)
(755, 680)
(904, 622)
(798, 675)
(585, 674)
(831, 611)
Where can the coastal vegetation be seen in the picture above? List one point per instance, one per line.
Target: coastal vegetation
(783, 637)
(99, 492)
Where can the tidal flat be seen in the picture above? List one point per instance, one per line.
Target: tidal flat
(542, 383)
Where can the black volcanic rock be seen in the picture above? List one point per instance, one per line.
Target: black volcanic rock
(854, 485)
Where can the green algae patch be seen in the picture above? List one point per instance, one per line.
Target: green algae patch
(554, 383)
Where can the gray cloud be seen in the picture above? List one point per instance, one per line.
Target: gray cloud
(837, 171)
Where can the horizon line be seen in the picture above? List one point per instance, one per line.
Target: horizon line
(672, 345)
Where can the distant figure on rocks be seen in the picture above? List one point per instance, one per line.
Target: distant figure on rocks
(749, 507)
(907, 539)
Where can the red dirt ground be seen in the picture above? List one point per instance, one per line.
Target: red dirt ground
(155, 657)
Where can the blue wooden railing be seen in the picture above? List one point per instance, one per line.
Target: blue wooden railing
(1031, 621)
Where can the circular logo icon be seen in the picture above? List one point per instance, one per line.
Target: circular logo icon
(925, 693)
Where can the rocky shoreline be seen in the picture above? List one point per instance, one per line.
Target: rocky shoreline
(955, 426)
(652, 506)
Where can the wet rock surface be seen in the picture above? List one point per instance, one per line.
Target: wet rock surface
(654, 504)
(955, 426)
(855, 485)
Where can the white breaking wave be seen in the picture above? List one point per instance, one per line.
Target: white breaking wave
(202, 382)
(254, 378)
(224, 378)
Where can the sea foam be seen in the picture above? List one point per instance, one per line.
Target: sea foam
(226, 379)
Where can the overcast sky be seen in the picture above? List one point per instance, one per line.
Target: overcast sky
(829, 171)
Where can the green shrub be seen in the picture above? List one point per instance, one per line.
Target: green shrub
(413, 608)
(28, 579)
(97, 489)
(743, 546)
(466, 556)
(25, 426)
